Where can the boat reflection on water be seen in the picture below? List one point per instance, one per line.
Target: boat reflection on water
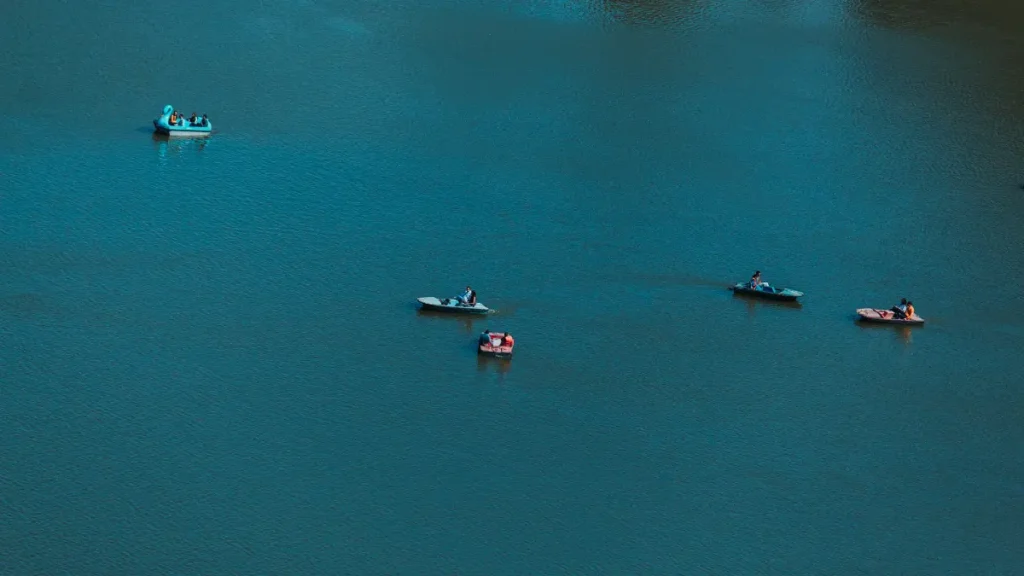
(465, 321)
(903, 333)
(499, 365)
(168, 147)
(753, 304)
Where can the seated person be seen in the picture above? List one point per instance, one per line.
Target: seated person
(472, 298)
(755, 280)
(192, 119)
(508, 340)
(910, 310)
(173, 119)
(204, 121)
(899, 311)
(464, 297)
(485, 338)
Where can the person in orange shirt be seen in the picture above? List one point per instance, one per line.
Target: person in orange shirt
(910, 310)
(173, 119)
(508, 340)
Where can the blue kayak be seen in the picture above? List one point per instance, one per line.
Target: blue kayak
(769, 292)
(452, 305)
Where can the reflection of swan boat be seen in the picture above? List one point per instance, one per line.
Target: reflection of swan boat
(182, 128)
(169, 147)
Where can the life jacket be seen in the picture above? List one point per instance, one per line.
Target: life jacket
(910, 312)
(507, 341)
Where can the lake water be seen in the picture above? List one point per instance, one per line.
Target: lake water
(211, 361)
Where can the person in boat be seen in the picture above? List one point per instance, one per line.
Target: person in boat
(755, 280)
(508, 340)
(899, 311)
(464, 297)
(192, 119)
(204, 121)
(485, 337)
(173, 119)
(910, 309)
(472, 298)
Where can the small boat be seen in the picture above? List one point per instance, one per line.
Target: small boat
(769, 292)
(452, 305)
(182, 128)
(493, 344)
(886, 317)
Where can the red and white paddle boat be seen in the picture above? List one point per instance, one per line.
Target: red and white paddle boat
(879, 316)
(496, 344)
